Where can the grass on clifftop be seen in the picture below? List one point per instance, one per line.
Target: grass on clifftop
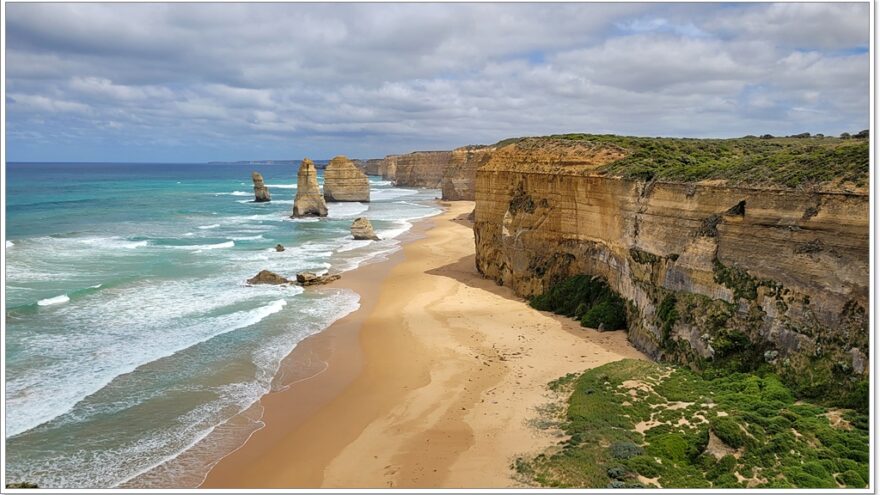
(788, 162)
(641, 424)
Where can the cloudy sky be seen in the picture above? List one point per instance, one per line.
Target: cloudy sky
(201, 82)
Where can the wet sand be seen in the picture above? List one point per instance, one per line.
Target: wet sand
(431, 383)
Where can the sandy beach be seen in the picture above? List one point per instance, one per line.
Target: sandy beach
(431, 383)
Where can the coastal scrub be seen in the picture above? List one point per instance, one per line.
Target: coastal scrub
(642, 424)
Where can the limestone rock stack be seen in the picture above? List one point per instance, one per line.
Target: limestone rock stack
(344, 182)
(308, 201)
(261, 192)
(362, 230)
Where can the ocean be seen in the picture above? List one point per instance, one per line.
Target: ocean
(130, 332)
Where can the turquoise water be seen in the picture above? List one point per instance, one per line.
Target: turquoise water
(130, 333)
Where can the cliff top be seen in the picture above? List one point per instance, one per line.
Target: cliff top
(790, 162)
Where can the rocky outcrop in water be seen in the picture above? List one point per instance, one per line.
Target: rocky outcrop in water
(711, 273)
(362, 230)
(306, 279)
(267, 277)
(279, 248)
(459, 177)
(309, 201)
(344, 182)
(417, 169)
(261, 192)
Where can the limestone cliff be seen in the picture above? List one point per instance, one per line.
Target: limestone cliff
(460, 175)
(416, 169)
(388, 167)
(371, 166)
(309, 201)
(344, 182)
(261, 192)
(711, 271)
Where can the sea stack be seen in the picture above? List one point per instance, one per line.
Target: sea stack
(343, 181)
(309, 202)
(261, 192)
(362, 230)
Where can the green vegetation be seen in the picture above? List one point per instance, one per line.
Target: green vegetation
(23, 484)
(787, 162)
(636, 423)
(587, 299)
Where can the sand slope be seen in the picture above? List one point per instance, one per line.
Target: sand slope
(449, 369)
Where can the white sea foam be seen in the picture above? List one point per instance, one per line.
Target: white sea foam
(200, 247)
(9, 244)
(248, 238)
(110, 242)
(159, 450)
(240, 193)
(388, 194)
(380, 182)
(345, 210)
(212, 226)
(282, 186)
(54, 300)
(93, 359)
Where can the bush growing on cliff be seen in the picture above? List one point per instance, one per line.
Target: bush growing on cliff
(771, 161)
(587, 299)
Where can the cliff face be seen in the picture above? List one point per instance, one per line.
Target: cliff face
(417, 169)
(344, 182)
(371, 166)
(388, 167)
(460, 176)
(710, 272)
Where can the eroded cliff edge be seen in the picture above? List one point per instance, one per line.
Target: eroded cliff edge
(747, 273)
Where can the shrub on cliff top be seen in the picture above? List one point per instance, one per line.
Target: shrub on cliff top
(782, 443)
(771, 161)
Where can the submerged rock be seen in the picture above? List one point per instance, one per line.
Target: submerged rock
(344, 182)
(261, 192)
(279, 248)
(308, 278)
(267, 277)
(362, 230)
(309, 201)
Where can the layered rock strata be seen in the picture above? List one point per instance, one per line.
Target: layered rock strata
(459, 177)
(388, 168)
(309, 201)
(370, 166)
(710, 273)
(417, 169)
(344, 182)
(261, 192)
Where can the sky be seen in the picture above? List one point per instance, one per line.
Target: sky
(226, 82)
